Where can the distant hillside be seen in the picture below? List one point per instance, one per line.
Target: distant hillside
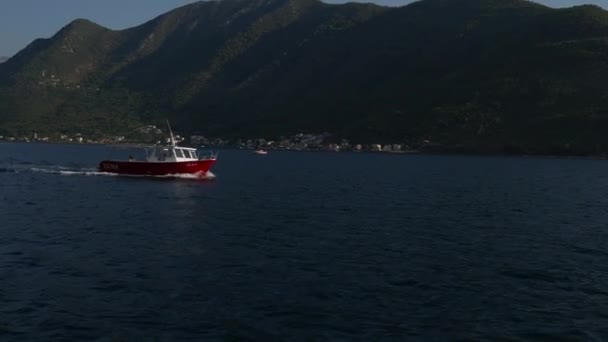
(472, 74)
(3, 59)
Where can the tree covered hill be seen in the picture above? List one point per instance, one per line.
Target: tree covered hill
(474, 74)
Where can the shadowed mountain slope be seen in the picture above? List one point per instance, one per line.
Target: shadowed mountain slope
(479, 74)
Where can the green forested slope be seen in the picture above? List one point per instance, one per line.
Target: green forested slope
(479, 74)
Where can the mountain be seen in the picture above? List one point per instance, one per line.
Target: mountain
(3, 59)
(469, 74)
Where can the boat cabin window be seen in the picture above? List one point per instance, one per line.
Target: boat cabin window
(190, 154)
(159, 154)
(163, 154)
(171, 153)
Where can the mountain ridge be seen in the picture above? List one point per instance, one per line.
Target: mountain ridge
(476, 73)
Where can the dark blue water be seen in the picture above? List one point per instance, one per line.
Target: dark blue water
(303, 246)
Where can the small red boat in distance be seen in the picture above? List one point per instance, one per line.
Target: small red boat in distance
(163, 161)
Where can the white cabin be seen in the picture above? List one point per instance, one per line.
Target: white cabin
(171, 154)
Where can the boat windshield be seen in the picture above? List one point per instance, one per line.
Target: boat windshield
(179, 154)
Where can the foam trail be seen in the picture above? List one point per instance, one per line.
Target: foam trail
(86, 173)
(192, 176)
(62, 171)
(92, 172)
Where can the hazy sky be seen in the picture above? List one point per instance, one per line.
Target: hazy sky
(22, 21)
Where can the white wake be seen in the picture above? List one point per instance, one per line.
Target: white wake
(92, 172)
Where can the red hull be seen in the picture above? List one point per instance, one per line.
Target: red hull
(156, 169)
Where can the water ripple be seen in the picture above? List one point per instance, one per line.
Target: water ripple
(308, 246)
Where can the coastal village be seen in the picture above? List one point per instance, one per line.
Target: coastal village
(152, 135)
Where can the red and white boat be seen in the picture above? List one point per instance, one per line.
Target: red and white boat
(163, 161)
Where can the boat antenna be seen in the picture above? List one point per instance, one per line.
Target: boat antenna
(171, 133)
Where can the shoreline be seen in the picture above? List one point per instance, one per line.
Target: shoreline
(429, 152)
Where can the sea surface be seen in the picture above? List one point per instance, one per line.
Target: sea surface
(303, 246)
